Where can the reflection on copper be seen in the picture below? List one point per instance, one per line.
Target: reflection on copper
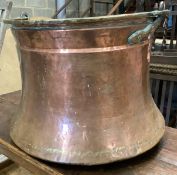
(86, 97)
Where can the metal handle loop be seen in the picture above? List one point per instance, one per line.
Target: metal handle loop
(140, 35)
(24, 15)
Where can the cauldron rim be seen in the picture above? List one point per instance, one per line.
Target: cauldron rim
(86, 20)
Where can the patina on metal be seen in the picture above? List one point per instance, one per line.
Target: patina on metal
(139, 35)
(85, 97)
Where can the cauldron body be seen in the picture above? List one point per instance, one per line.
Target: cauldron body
(85, 96)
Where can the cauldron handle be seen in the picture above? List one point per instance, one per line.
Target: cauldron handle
(140, 35)
(24, 15)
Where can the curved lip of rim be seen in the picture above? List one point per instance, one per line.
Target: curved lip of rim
(87, 20)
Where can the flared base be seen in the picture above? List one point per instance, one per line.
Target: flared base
(108, 148)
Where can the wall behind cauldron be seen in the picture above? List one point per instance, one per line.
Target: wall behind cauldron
(34, 7)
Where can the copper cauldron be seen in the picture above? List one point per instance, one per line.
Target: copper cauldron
(85, 96)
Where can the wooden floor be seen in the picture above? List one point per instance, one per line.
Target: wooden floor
(15, 170)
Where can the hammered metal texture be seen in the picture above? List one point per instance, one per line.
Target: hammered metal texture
(86, 98)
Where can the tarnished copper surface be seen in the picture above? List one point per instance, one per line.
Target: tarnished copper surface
(86, 96)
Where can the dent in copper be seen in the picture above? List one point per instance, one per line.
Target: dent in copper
(86, 96)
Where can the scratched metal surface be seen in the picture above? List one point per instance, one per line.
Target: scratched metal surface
(86, 97)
